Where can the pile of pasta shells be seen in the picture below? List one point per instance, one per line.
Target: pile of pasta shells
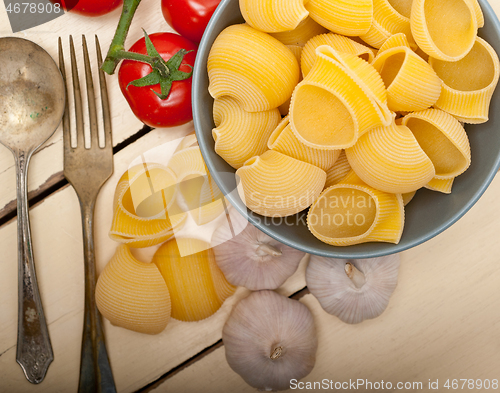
(348, 108)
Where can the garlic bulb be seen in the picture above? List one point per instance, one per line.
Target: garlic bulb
(270, 339)
(353, 290)
(133, 294)
(253, 259)
(197, 286)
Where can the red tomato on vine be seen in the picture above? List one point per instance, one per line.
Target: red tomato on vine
(189, 17)
(89, 7)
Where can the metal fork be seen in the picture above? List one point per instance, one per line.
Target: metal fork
(87, 170)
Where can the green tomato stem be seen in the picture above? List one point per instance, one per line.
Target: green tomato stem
(117, 48)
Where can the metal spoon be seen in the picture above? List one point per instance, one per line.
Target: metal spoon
(32, 98)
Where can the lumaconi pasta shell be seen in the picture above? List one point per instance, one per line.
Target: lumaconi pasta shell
(306, 30)
(132, 294)
(408, 196)
(240, 135)
(283, 140)
(197, 286)
(344, 17)
(275, 185)
(391, 160)
(199, 193)
(338, 171)
(337, 42)
(352, 212)
(478, 12)
(412, 84)
(252, 67)
(297, 51)
(395, 41)
(272, 16)
(443, 139)
(441, 185)
(341, 98)
(468, 84)
(386, 22)
(127, 226)
(448, 39)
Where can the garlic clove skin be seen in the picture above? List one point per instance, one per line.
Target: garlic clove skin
(253, 259)
(353, 290)
(270, 339)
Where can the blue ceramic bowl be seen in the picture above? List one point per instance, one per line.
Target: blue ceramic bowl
(427, 215)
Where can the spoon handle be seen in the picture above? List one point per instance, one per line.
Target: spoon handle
(34, 351)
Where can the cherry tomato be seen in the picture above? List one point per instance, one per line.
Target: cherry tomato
(89, 7)
(189, 17)
(146, 105)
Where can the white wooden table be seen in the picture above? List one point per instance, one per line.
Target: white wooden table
(443, 321)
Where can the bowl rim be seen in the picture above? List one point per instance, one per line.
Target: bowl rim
(337, 252)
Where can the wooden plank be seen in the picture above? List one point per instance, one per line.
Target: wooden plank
(46, 166)
(442, 321)
(137, 359)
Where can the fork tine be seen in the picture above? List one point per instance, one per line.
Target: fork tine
(80, 136)
(66, 121)
(94, 133)
(106, 112)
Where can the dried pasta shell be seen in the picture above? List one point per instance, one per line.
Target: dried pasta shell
(391, 160)
(240, 135)
(443, 139)
(297, 51)
(196, 284)
(352, 212)
(306, 30)
(344, 17)
(341, 98)
(276, 185)
(468, 84)
(337, 42)
(408, 196)
(132, 294)
(200, 195)
(402, 6)
(252, 67)
(412, 84)
(150, 190)
(450, 39)
(478, 12)
(441, 185)
(272, 16)
(188, 141)
(395, 41)
(284, 141)
(386, 22)
(338, 171)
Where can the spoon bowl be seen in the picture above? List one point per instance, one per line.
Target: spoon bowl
(32, 102)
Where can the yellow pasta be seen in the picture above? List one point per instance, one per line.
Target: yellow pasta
(395, 41)
(252, 67)
(240, 135)
(469, 83)
(344, 17)
(196, 284)
(402, 6)
(444, 29)
(306, 30)
(408, 196)
(441, 185)
(386, 22)
(145, 211)
(391, 160)
(200, 195)
(272, 16)
(443, 139)
(341, 98)
(284, 141)
(132, 294)
(478, 13)
(412, 84)
(337, 42)
(352, 212)
(297, 51)
(275, 185)
(338, 171)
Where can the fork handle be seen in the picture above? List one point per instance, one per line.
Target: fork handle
(95, 371)
(34, 351)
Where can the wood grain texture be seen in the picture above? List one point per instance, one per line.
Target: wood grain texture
(442, 322)
(47, 163)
